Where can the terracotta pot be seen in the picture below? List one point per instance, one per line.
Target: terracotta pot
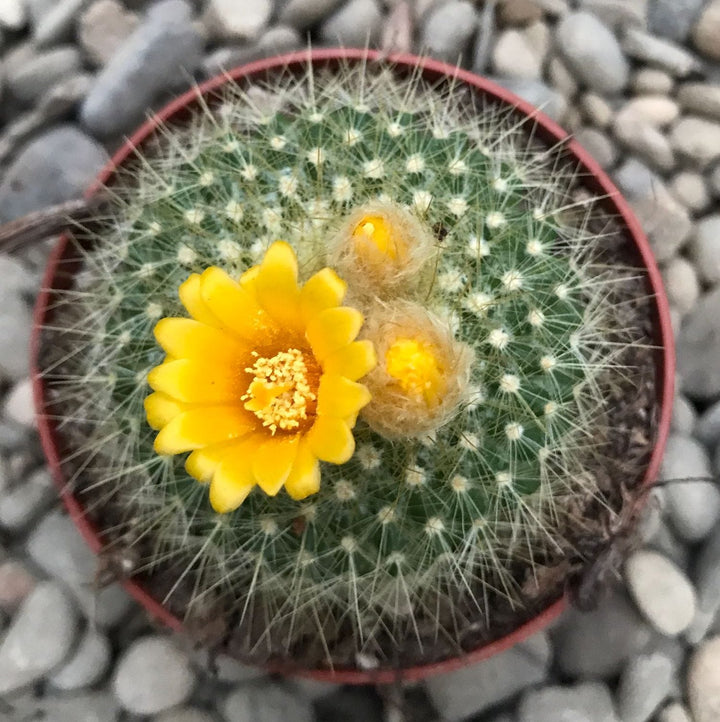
(63, 264)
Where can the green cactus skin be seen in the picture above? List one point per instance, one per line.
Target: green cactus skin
(409, 529)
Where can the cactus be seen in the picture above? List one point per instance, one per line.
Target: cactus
(439, 517)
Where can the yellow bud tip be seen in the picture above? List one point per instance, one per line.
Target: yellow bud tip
(376, 230)
(415, 367)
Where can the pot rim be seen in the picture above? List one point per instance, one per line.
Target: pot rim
(548, 131)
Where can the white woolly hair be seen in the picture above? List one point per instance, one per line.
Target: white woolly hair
(393, 412)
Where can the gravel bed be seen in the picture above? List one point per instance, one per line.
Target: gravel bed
(638, 82)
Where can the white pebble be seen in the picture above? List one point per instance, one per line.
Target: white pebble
(661, 591)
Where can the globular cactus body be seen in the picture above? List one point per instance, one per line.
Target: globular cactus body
(414, 524)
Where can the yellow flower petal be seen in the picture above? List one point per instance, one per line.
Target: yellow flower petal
(202, 463)
(339, 397)
(161, 409)
(331, 440)
(276, 286)
(352, 361)
(247, 280)
(196, 381)
(190, 297)
(323, 290)
(332, 329)
(304, 478)
(187, 338)
(273, 461)
(233, 479)
(201, 427)
(233, 305)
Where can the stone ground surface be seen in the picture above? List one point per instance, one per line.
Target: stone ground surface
(638, 82)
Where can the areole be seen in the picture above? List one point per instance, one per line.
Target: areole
(62, 265)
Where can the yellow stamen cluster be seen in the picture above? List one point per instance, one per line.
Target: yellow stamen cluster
(280, 392)
(415, 367)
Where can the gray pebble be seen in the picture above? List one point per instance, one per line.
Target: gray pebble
(103, 28)
(598, 145)
(673, 19)
(151, 60)
(58, 102)
(88, 663)
(535, 92)
(185, 714)
(84, 707)
(657, 110)
(684, 415)
(57, 548)
(691, 190)
(636, 180)
(674, 712)
(617, 14)
(665, 221)
(56, 23)
(33, 78)
(25, 502)
(652, 81)
(514, 56)
(276, 40)
(633, 130)
(39, 639)
(666, 542)
(693, 506)
(714, 179)
(707, 583)
(266, 702)
(706, 32)
(586, 702)
(18, 405)
(703, 682)
(301, 14)
(475, 688)
(16, 582)
(698, 349)
(56, 166)
(701, 98)
(13, 14)
(661, 590)
(314, 689)
(592, 52)
(15, 325)
(659, 52)
(448, 29)
(697, 139)
(683, 289)
(228, 19)
(644, 686)
(707, 428)
(705, 248)
(561, 78)
(598, 643)
(153, 675)
(596, 109)
(356, 23)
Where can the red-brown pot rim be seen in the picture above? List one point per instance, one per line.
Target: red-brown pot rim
(547, 130)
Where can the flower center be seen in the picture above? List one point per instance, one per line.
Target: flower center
(282, 393)
(415, 367)
(375, 230)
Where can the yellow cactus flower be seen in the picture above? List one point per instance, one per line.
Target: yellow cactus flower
(261, 383)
